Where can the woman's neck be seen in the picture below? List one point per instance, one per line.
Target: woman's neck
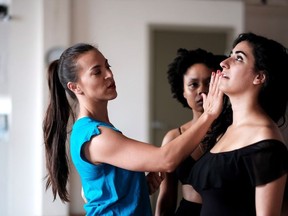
(96, 112)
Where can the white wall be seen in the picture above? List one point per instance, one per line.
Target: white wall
(5, 110)
(25, 75)
(25, 194)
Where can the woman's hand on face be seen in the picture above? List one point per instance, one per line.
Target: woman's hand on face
(213, 101)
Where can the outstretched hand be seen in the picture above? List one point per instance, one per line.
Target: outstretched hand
(213, 101)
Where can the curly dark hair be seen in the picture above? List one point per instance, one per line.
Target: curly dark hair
(185, 59)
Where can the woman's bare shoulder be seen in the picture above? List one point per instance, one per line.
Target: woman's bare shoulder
(170, 135)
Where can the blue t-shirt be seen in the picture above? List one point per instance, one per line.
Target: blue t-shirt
(109, 190)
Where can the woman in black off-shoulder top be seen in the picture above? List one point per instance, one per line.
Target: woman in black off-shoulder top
(245, 173)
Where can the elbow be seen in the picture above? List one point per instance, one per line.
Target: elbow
(169, 160)
(170, 166)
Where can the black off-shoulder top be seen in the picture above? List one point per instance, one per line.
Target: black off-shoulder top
(227, 180)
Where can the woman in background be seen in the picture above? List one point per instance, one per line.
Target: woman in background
(189, 77)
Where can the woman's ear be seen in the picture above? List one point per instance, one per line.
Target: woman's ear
(260, 78)
(74, 88)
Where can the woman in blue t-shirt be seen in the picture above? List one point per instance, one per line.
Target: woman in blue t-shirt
(111, 166)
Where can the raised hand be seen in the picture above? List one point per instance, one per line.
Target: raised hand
(213, 101)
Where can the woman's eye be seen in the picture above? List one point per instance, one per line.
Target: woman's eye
(193, 85)
(239, 58)
(108, 66)
(96, 72)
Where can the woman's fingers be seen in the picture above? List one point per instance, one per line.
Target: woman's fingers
(213, 101)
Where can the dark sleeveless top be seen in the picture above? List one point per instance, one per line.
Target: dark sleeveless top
(186, 208)
(183, 170)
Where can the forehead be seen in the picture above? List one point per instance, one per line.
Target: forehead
(245, 47)
(90, 58)
(199, 70)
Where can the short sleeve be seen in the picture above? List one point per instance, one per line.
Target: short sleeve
(267, 164)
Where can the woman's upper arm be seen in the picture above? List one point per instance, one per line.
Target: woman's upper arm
(114, 148)
(269, 197)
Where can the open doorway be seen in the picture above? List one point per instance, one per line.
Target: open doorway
(165, 111)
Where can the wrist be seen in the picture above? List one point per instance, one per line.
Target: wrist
(208, 117)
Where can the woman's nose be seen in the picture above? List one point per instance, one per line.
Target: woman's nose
(203, 89)
(109, 74)
(224, 64)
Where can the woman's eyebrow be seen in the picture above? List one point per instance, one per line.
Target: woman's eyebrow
(95, 67)
(240, 52)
